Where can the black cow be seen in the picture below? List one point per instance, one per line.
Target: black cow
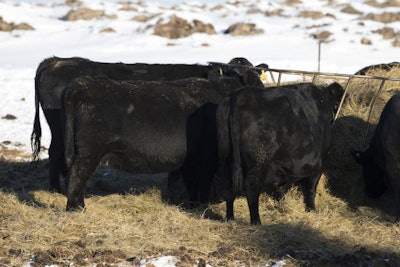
(143, 126)
(381, 161)
(55, 74)
(272, 137)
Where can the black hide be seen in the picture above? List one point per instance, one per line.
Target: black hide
(381, 161)
(142, 126)
(274, 136)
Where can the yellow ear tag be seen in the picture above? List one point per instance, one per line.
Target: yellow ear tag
(263, 76)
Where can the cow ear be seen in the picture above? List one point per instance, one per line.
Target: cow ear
(336, 89)
(262, 66)
(215, 73)
(252, 78)
(357, 155)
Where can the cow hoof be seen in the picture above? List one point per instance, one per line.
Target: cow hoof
(54, 189)
(310, 209)
(75, 208)
(256, 222)
(211, 215)
(230, 219)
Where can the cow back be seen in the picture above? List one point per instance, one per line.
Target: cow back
(55, 74)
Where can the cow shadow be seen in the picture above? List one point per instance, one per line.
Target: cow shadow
(23, 178)
(344, 175)
(108, 180)
(309, 247)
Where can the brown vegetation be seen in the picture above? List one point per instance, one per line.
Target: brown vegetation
(292, 2)
(107, 30)
(311, 14)
(144, 18)
(86, 14)
(10, 26)
(387, 33)
(322, 36)
(241, 28)
(73, 2)
(178, 28)
(396, 42)
(388, 3)
(349, 9)
(128, 219)
(366, 41)
(385, 17)
(275, 12)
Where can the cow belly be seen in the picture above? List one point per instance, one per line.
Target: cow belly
(153, 154)
(281, 153)
(298, 160)
(143, 164)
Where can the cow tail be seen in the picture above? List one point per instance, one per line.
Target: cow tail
(237, 171)
(68, 126)
(224, 145)
(37, 130)
(228, 142)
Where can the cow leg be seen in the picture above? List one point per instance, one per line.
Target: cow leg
(197, 177)
(309, 187)
(80, 171)
(56, 150)
(223, 187)
(205, 173)
(391, 176)
(56, 162)
(189, 179)
(229, 208)
(396, 189)
(176, 189)
(397, 196)
(253, 194)
(253, 203)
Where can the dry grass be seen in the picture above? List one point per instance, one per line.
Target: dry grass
(348, 229)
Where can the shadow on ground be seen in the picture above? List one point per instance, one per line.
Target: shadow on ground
(23, 176)
(344, 174)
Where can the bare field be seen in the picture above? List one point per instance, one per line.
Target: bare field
(128, 217)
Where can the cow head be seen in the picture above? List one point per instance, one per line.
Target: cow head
(246, 77)
(241, 68)
(251, 78)
(240, 61)
(244, 62)
(236, 66)
(372, 174)
(249, 75)
(337, 92)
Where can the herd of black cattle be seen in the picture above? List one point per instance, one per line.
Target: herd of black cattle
(210, 124)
